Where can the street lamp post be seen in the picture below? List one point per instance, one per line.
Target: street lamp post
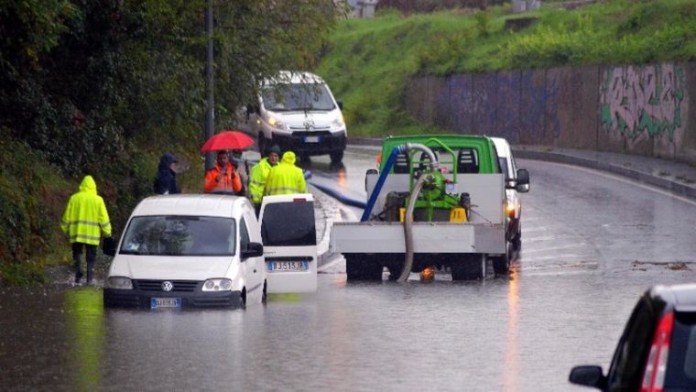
(210, 84)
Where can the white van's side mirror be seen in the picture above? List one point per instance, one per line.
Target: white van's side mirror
(254, 249)
(522, 180)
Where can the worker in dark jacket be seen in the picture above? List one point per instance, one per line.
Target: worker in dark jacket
(85, 221)
(165, 181)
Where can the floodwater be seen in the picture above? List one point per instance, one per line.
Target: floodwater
(521, 334)
(591, 246)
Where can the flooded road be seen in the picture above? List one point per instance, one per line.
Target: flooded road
(591, 246)
(522, 334)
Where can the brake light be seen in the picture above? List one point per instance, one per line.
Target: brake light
(656, 367)
(299, 200)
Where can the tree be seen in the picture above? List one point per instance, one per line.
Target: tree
(98, 86)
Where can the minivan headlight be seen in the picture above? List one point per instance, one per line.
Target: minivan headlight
(119, 282)
(338, 122)
(218, 284)
(274, 122)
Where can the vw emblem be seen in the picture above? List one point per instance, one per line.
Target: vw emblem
(308, 124)
(167, 286)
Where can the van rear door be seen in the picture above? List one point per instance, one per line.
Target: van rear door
(288, 229)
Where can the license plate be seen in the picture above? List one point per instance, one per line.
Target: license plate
(168, 302)
(283, 266)
(311, 139)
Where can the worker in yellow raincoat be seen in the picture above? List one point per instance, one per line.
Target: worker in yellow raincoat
(85, 221)
(285, 177)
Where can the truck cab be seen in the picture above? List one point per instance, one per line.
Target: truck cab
(516, 182)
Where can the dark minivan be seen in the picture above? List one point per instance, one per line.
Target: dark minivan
(657, 350)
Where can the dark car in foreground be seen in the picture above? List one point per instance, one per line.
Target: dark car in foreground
(657, 350)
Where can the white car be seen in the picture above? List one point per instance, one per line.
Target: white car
(188, 251)
(513, 206)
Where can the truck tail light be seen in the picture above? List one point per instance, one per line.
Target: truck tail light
(510, 209)
(656, 367)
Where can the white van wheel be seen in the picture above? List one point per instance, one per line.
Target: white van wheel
(242, 299)
(336, 156)
(264, 294)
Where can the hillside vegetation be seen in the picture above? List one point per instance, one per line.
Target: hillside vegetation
(106, 87)
(369, 61)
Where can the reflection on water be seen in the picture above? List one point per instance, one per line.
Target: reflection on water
(341, 177)
(511, 354)
(85, 315)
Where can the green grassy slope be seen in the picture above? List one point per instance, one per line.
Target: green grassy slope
(369, 61)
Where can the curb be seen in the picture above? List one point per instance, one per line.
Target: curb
(672, 186)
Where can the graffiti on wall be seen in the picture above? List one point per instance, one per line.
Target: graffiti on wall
(643, 102)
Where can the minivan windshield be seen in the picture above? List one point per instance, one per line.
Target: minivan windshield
(289, 224)
(167, 235)
(285, 97)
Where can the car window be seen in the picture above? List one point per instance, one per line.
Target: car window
(513, 165)
(502, 162)
(289, 224)
(681, 364)
(297, 96)
(626, 368)
(166, 235)
(243, 235)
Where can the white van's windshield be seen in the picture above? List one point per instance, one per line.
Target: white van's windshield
(289, 224)
(180, 236)
(296, 96)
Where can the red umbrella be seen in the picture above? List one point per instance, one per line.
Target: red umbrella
(227, 140)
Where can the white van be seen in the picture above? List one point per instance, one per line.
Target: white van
(513, 206)
(289, 237)
(298, 112)
(188, 251)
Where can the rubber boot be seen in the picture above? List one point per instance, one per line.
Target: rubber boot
(78, 276)
(90, 276)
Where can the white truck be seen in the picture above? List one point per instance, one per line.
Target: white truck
(436, 202)
(298, 112)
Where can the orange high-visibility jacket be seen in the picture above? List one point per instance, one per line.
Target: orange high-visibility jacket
(216, 182)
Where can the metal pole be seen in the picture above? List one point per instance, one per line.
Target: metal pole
(210, 84)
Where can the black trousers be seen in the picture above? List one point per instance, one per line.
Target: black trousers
(91, 251)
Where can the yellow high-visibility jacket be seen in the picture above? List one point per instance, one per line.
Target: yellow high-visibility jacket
(85, 218)
(285, 177)
(257, 180)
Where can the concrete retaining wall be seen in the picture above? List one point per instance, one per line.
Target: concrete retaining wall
(628, 109)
